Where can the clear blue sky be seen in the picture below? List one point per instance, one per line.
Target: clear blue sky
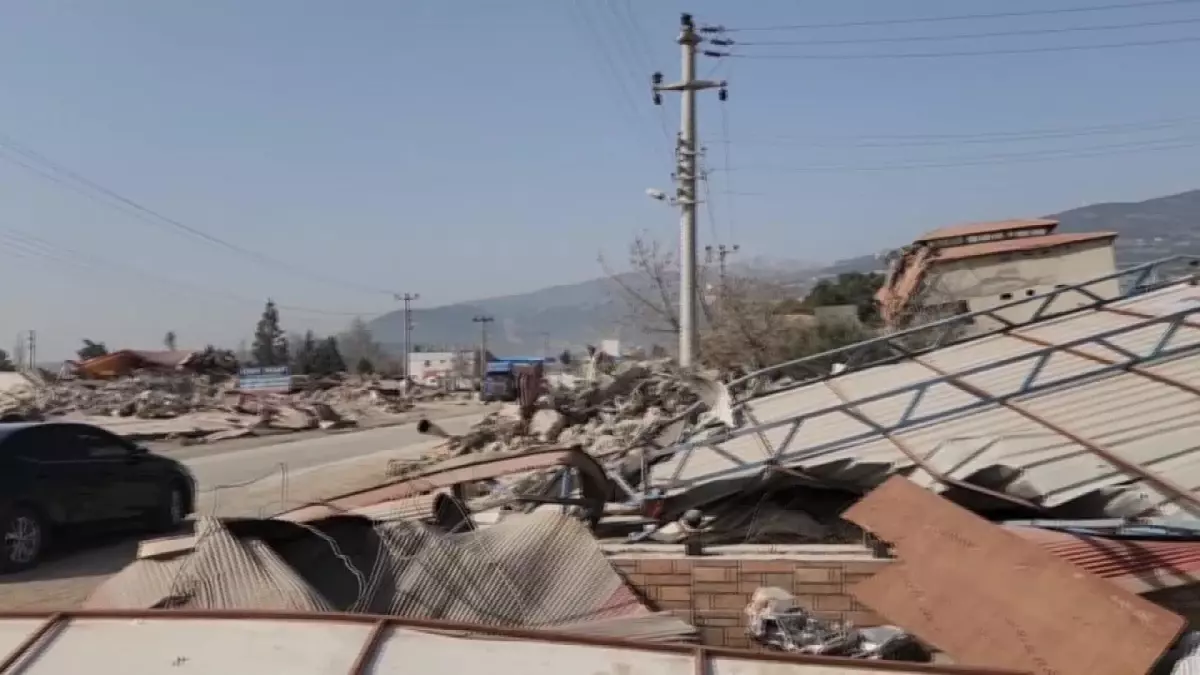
(470, 149)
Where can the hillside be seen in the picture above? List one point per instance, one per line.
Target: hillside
(577, 314)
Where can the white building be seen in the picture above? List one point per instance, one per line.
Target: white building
(968, 268)
(436, 365)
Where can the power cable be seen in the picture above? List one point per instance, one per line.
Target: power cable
(924, 140)
(726, 143)
(600, 46)
(958, 17)
(151, 216)
(988, 52)
(31, 245)
(639, 43)
(970, 36)
(1003, 158)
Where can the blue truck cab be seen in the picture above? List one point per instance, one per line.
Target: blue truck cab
(500, 378)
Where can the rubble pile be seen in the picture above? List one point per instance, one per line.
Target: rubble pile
(609, 415)
(331, 403)
(777, 621)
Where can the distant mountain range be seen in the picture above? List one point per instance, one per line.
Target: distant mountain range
(573, 315)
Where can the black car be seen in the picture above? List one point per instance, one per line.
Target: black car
(61, 476)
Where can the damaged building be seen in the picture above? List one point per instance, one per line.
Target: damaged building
(1019, 500)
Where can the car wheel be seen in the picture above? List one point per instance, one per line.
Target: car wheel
(172, 511)
(24, 539)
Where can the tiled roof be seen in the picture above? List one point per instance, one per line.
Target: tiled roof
(1015, 245)
(986, 228)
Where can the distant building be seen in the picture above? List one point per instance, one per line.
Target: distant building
(440, 365)
(968, 268)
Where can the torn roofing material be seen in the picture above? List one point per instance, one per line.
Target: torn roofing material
(1138, 565)
(539, 570)
(253, 643)
(1091, 414)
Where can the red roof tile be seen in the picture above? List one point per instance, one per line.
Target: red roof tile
(987, 228)
(1018, 244)
(1139, 565)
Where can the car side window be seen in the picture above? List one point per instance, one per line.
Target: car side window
(98, 445)
(49, 444)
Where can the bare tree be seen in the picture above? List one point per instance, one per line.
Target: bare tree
(743, 326)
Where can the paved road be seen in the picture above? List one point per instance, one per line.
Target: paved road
(215, 466)
(318, 468)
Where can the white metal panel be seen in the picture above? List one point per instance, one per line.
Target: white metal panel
(199, 646)
(408, 651)
(958, 433)
(14, 631)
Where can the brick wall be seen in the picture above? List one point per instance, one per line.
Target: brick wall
(711, 592)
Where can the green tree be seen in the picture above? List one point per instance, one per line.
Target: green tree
(6, 364)
(169, 341)
(304, 356)
(270, 344)
(91, 350)
(851, 288)
(364, 366)
(327, 358)
(565, 357)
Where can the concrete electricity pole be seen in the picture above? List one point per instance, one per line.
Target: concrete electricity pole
(407, 299)
(685, 178)
(483, 322)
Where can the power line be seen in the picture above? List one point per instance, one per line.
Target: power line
(19, 242)
(958, 17)
(91, 189)
(971, 36)
(727, 154)
(1002, 158)
(923, 140)
(613, 70)
(988, 52)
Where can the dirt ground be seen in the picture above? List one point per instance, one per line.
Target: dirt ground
(68, 577)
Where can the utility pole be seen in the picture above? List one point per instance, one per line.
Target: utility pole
(32, 351)
(685, 178)
(722, 251)
(483, 321)
(545, 345)
(407, 299)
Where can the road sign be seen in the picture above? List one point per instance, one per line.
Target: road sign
(265, 379)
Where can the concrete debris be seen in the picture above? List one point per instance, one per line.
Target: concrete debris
(614, 416)
(194, 400)
(776, 620)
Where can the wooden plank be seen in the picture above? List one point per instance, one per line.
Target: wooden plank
(988, 597)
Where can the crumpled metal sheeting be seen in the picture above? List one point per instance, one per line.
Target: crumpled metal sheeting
(537, 570)
(222, 572)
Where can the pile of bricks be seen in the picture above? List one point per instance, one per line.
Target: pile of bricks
(711, 592)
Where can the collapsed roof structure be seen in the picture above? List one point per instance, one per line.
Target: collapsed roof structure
(1089, 409)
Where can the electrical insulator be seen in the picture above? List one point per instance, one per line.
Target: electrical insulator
(656, 79)
(722, 94)
(657, 98)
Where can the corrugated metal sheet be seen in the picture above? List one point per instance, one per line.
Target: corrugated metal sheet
(982, 428)
(537, 570)
(1136, 564)
(149, 643)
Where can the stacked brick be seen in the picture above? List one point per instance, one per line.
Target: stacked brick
(711, 592)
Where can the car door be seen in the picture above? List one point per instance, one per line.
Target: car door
(130, 487)
(59, 476)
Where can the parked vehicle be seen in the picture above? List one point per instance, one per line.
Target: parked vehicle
(61, 477)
